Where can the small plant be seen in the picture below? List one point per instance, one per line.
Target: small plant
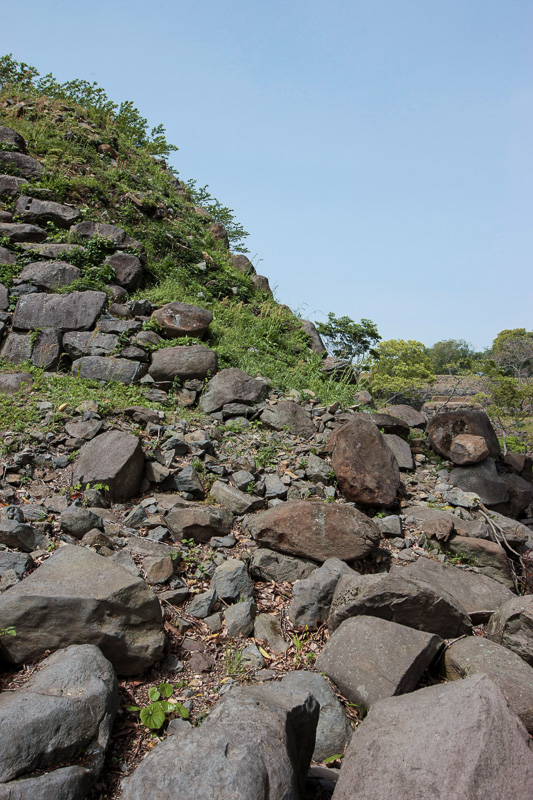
(233, 660)
(9, 631)
(161, 707)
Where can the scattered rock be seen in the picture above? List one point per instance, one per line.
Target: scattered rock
(489, 557)
(232, 386)
(267, 565)
(512, 626)
(311, 597)
(288, 415)
(113, 459)
(200, 523)
(233, 499)
(41, 212)
(181, 319)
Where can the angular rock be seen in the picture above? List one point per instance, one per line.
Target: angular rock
(112, 233)
(512, 626)
(114, 459)
(98, 368)
(242, 263)
(431, 521)
(200, 523)
(364, 465)
(18, 562)
(520, 495)
(233, 499)
(41, 212)
(11, 382)
(401, 450)
(181, 319)
(317, 470)
(46, 349)
(231, 581)
(202, 604)
(232, 386)
(128, 270)
(370, 658)
(290, 416)
(10, 137)
(408, 414)
(256, 744)
(77, 521)
(390, 424)
(21, 536)
(489, 557)
(19, 232)
(89, 343)
(316, 344)
(54, 250)
(7, 256)
(267, 565)
(187, 480)
(239, 618)
(183, 362)
(267, 627)
(443, 428)
(483, 479)
(79, 597)
(478, 594)
(398, 599)
(516, 534)
(50, 274)
(456, 740)
(19, 164)
(468, 449)
(64, 312)
(315, 530)
(10, 186)
(67, 707)
(477, 655)
(17, 348)
(311, 597)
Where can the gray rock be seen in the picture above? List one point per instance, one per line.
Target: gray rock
(370, 658)
(19, 164)
(316, 343)
(431, 521)
(477, 655)
(187, 480)
(317, 470)
(239, 618)
(443, 428)
(46, 350)
(267, 565)
(267, 627)
(516, 534)
(512, 626)
(7, 256)
(407, 414)
(242, 263)
(398, 599)
(456, 497)
(89, 343)
(333, 731)
(21, 536)
(401, 450)
(200, 523)
(20, 232)
(114, 459)
(66, 707)
(128, 270)
(10, 186)
(40, 212)
(274, 487)
(456, 740)
(236, 501)
(50, 274)
(483, 480)
(54, 250)
(18, 562)
(10, 137)
(311, 598)
(17, 348)
(64, 312)
(231, 581)
(86, 430)
(97, 368)
(11, 382)
(112, 233)
(232, 386)
(488, 557)
(389, 526)
(256, 744)
(183, 362)
(242, 479)
(79, 597)
(290, 416)
(202, 604)
(181, 319)
(76, 521)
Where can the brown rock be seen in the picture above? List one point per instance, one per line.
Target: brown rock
(443, 429)
(409, 415)
(187, 362)
(468, 449)
(232, 386)
(488, 556)
(181, 319)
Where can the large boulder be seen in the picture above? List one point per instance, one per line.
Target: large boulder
(11, 382)
(370, 658)
(468, 449)
(443, 428)
(401, 450)
(182, 362)
(290, 416)
(315, 530)
(256, 744)
(488, 557)
(512, 626)
(232, 386)
(457, 740)
(181, 319)
(316, 343)
(18, 232)
(396, 598)
(40, 212)
(407, 414)
(112, 233)
(50, 274)
(98, 368)
(128, 270)
(10, 186)
(20, 164)
(114, 459)
(478, 594)
(200, 523)
(79, 597)
(312, 596)
(77, 311)
(65, 708)
(476, 655)
(483, 479)
(365, 467)
(89, 343)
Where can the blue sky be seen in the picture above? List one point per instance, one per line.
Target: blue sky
(379, 153)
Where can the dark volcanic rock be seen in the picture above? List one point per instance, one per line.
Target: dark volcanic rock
(65, 312)
(181, 319)
(97, 368)
(40, 212)
(232, 386)
(483, 479)
(443, 429)
(114, 459)
(19, 164)
(128, 270)
(186, 363)
(19, 232)
(50, 274)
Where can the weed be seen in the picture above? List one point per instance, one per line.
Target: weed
(233, 660)
(161, 707)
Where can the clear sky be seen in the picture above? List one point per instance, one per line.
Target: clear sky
(378, 151)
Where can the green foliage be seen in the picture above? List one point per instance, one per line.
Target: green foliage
(403, 368)
(219, 213)
(451, 356)
(512, 350)
(508, 402)
(160, 708)
(233, 660)
(9, 631)
(349, 340)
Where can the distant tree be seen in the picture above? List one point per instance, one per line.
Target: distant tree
(351, 341)
(402, 368)
(512, 351)
(451, 356)
(508, 402)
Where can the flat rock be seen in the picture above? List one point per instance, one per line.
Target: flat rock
(89, 343)
(20, 164)
(268, 565)
(488, 557)
(182, 319)
(11, 382)
(64, 312)
(231, 581)
(512, 626)
(401, 450)
(232, 386)
(7, 256)
(477, 655)
(457, 740)
(290, 416)
(443, 428)
(399, 599)
(184, 362)
(478, 594)
(315, 530)
(18, 232)
(407, 414)
(233, 499)
(365, 467)
(79, 597)
(10, 186)
(21, 536)
(200, 523)
(50, 274)
(370, 658)
(41, 212)
(54, 250)
(99, 368)
(114, 459)
(483, 479)
(112, 233)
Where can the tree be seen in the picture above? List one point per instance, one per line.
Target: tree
(348, 340)
(508, 402)
(402, 368)
(451, 356)
(512, 350)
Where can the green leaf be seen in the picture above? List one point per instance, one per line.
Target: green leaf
(131, 708)
(153, 693)
(153, 716)
(182, 711)
(166, 689)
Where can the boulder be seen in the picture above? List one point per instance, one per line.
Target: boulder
(365, 467)
(483, 479)
(46, 350)
(219, 233)
(112, 233)
(181, 319)
(290, 416)
(54, 250)
(432, 520)
(315, 530)
(443, 428)
(370, 658)
(21, 536)
(20, 164)
(231, 581)
(242, 263)
(512, 626)
(316, 343)
(7, 256)
(520, 496)
(267, 565)
(478, 594)
(89, 343)
(76, 311)
(183, 362)
(128, 270)
(389, 424)
(11, 138)
(488, 557)
(256, 744)
(468, 449)
(200, 523)
(239, 618)
(408, 414)
(19, 232)
(114, 459)
(65, 708)
(40, 212)
(267, 627)
(11, 382)
(50, 274)
(79, 597)
(77, 521)
(10, 186)
(17, 348)
(457, 740)
(98, 368)
(401, 450)
(477, 655)
(311, 597)
(232, 386)
(233, 499)
(399, 599)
